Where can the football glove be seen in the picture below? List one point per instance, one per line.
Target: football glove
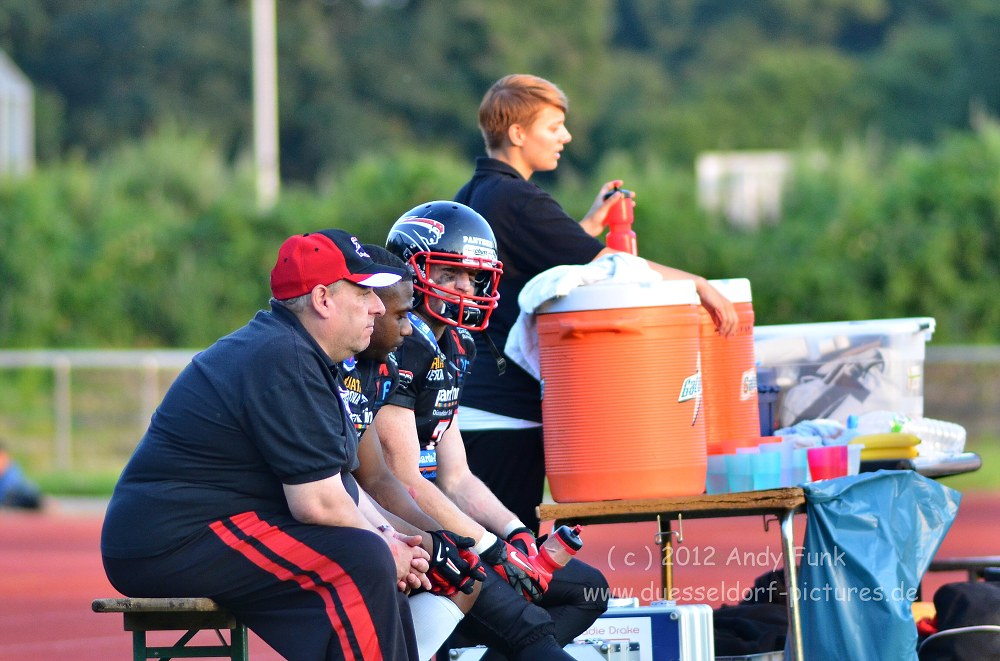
(527, 579)
(522, 538)
(454, 566)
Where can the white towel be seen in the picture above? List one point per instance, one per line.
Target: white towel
(522, 342)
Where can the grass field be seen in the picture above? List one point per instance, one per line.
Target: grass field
(110, 410)
(101, 482)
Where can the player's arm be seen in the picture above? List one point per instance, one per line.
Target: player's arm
(411, 559)
(514, 564)
(457, 481)
(397, 431)
(377, 479)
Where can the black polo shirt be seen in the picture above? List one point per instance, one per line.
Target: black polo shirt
(533, 234)
(259, 408)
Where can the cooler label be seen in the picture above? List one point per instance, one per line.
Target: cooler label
(748, 384)
(691, 390)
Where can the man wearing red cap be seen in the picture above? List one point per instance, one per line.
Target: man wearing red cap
(241, 488)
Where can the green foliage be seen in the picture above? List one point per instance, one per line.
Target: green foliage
(359, 78)
(160, 245)
(868, 234)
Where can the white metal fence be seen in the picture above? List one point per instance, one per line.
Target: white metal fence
(143, 394)
(88, 409)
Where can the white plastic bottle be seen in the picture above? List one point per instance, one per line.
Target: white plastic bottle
(937, 437)
(879, 422)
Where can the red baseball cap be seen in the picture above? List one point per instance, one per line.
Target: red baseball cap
(323, 258)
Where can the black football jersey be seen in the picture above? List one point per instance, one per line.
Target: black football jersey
(368, 384)
(431, 375)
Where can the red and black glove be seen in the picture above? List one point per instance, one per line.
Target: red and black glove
(454, 566)
(520, 571)
(522, 538)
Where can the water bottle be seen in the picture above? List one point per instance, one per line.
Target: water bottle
(560, 547)
(619, 220)
(937, 437)
(850, 431)
(879, 422)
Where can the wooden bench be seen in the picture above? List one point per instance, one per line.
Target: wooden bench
(189, 614)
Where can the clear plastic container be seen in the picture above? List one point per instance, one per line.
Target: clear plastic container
(878, 422)
(937, 437)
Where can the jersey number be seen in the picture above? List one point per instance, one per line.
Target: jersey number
(439, 430)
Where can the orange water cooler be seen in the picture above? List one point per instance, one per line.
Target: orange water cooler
(729, 375)
(621, 408)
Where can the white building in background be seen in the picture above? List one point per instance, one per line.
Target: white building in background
(743, 187)
(17, 122)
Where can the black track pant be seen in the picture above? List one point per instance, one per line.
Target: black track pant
(513, 627)
(313, 593)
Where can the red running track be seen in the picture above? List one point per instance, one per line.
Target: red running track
(50, 571)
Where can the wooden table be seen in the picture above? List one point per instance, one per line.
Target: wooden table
(781, 503)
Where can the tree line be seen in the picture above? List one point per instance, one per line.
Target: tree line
(651, 78)
(138, 228)
(158, 242)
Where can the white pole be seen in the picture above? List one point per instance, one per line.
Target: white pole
(265, 102)
(64, 414)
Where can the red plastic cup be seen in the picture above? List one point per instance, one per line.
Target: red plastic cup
(827, 462)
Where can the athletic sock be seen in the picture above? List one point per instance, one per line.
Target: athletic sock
(434, 618)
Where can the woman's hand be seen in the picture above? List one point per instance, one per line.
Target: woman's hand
(596, 219)
(721, 309)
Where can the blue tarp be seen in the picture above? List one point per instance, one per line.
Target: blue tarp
(869, 539)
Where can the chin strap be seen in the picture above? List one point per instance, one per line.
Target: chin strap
(497, 356)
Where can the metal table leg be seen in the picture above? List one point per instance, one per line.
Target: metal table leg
(792, 585)
(664, 537)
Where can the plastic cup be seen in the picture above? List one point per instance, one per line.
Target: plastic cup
(717, 480)
(800, 466)
(766, 469)
(738, 472)
(854, 458)
(827, 462)
(784, 450)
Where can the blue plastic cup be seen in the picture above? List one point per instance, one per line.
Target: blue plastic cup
(785, 450)
(800, 466)
(717, 479)
(766, 469)
(738, 472)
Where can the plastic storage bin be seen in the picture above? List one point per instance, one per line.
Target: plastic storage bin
(622, 411)
(835, 369)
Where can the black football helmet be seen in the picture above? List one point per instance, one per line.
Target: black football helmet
(451, 234)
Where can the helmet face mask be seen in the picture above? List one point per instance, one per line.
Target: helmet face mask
(447, 235)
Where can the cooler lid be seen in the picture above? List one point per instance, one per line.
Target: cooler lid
(614, 295)
(737, 290)
(906, 325)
